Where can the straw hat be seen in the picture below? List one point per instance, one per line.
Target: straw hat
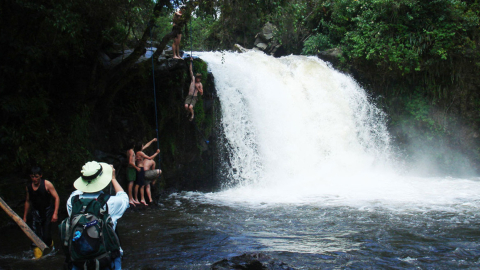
(95, 177)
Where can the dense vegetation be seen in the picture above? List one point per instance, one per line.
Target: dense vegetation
(61, 105)
(419, 58)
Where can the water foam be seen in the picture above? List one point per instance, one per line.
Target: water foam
(299, 131)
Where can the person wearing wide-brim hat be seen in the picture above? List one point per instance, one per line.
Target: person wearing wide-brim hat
(95, 176)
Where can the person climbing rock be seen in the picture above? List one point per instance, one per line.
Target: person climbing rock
(178, 23)
(42, 201)
(195, 87)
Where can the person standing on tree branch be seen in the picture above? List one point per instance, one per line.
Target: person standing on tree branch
(195, 87)
(178, 23)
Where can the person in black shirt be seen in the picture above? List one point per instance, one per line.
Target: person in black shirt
(43, 202)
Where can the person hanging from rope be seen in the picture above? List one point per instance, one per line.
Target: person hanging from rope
(179, 22)
(195, 87)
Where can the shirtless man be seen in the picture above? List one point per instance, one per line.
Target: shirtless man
(140, 157)
(195, 87)
(132, 170)
(151, 176)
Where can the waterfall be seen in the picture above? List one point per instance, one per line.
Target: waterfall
(298, 130)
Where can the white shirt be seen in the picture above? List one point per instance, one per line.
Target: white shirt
(116, 204)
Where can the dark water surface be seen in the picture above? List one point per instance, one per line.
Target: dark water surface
(185, 232)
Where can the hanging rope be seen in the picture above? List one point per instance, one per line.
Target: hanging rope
(193, 72)
(155, 97)
(191, 44)
(191, 56)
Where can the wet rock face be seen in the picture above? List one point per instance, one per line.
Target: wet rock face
(254, 261)
(169, 64)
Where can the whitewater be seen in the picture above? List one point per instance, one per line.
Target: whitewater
(298, 131)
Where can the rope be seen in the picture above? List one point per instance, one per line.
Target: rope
(155, 99)
(191, 44)
(191, 55)
(193, 71)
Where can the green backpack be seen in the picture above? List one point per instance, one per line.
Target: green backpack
(88, 238)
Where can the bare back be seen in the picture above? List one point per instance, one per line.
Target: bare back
(131, 157)
(149, 164)
(140, 159)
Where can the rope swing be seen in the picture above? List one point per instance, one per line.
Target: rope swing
(155, 96)
(194, 91)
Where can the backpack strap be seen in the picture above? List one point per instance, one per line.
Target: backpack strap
(102, 199)
(75, 198)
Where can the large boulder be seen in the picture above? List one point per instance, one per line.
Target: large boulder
(253, 261)
(265, 42)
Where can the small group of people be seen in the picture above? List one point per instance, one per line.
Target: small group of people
(141, 172)
(43, 202)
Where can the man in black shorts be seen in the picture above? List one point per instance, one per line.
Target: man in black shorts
(178, 24)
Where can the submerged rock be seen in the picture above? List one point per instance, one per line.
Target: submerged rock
(253, 261)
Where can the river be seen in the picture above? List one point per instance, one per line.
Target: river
(310, 178)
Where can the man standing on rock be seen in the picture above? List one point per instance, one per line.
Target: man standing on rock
(178, 23)
(195, 87)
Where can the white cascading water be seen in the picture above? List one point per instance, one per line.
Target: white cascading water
(301, 132)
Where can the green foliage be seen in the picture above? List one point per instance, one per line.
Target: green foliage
(315, 44)
(48, 71)
(418, 110)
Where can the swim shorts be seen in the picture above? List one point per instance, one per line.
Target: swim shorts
(152, 174)
(140, 177)
(177, 29)
(131, 174)
(192, 100)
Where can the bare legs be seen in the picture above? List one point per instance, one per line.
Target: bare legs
(149, 193)
(132, 201)
(142, 196)
(176, 46)
(148, 188)
(189, 108)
